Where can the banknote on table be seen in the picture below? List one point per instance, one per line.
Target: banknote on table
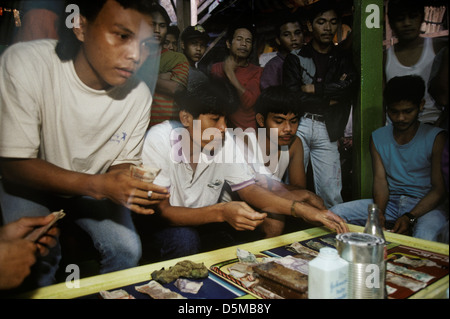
(246, 256)
(300, 249)
(240, 270)
(416, 262)
(36, 234)
(314, 245)
(116, 294)
(188, 286)
(417, 275)
(411, 284)
(155, 290)
(330, 241)
(144, 173)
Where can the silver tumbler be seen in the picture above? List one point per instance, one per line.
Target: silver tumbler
(367, 267)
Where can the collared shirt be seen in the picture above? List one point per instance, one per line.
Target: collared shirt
(163, 148)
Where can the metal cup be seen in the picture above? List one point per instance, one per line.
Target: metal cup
(367, 268)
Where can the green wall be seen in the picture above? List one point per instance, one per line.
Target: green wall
(367, 113)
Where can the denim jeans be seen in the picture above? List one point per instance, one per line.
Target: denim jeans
(429, 226)
(109, 225)
(169, 242)
(325, 160)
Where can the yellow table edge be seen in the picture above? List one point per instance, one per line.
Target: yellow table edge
(115, 280)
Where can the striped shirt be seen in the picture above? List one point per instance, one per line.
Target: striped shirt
(163, 107)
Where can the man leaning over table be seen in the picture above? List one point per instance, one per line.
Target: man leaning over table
(195, 170)
(73, 124)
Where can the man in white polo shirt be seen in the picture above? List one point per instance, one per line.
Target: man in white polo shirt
(197, 157)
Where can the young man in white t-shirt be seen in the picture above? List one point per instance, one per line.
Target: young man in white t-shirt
(277, 117)
(197, 157)
(73, 119)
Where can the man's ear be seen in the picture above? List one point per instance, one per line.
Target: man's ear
(186, 118)
(260, 120)
(182, 45)
(309, 25)
(277, 41)
(228, 44)
(422, 104)
(80, 25)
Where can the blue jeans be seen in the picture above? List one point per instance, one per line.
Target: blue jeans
(174, 242)
(325, 160)
(109, 225)
(169, 242)
(428, 226)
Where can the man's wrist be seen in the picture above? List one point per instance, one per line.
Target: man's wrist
(411, 218)
(293, 212)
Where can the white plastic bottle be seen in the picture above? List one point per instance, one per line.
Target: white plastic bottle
(328, 276)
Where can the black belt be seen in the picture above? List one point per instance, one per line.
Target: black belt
(315, 117)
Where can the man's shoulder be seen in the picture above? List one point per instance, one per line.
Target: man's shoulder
(382, 131)
(430, 130)
(382, 135)
(295, 146)
(275, 61)
(217, 65)
(164, 130)
(174, 56)
(171, 60)
(22, 52)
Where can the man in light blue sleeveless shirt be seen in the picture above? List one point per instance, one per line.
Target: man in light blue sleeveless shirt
(408, 185)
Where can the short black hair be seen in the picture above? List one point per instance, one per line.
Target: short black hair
(68, 44)
(321, 6)
(156, 7)
(240, 25)
(211, 96)
(399, 7)
(173, 29)
(284, 19)
(409, 88)
(276, 99)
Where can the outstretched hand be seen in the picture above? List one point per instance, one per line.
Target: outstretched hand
(321, 217)
(241, 216)
(120, 187)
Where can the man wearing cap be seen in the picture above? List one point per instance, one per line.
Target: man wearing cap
(194, 40)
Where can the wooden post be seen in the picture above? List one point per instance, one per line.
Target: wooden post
(183, 14)
(368, 109)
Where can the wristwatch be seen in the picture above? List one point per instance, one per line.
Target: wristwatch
(411, 217)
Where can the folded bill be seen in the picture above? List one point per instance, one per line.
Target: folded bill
(157, 291)
(144, 173)
(36, 234)
(188, 286)
(116, 294)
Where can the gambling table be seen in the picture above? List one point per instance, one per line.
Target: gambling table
(221, 285)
